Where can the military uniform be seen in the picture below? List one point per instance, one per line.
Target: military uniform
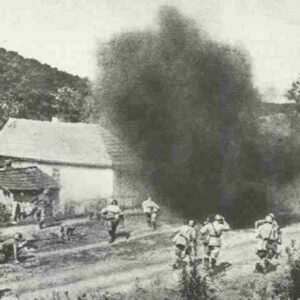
(11, 248)
(184, 241)
(150, 209)
(269, 236)
(112, 214)
(213, 232)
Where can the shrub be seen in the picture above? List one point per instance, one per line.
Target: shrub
(194, 286)
(294, 270)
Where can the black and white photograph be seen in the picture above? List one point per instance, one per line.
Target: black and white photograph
(149, 150)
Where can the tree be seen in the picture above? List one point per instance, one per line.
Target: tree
(293, 93)
(28, 89)
(70, 105)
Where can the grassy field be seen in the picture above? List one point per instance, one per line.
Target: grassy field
(89, 263)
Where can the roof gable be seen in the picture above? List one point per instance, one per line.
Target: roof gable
(60, 142)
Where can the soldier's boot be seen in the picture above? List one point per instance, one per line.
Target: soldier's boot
(41, 224)
(191, 261)
(111, 235)
(213, 263)
(62, 233)
(259, 268)
(177, 263)
(267, 265)
(154, 225)
(149, 221)
(206, 262)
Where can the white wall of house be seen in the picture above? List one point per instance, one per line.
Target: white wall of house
(78, 184)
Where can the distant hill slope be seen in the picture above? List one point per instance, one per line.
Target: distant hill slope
(30, 89)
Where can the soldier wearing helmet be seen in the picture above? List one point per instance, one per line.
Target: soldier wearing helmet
(213, 232)
(11, 247)
(150, 209)
(268, 234)
(112, 214)
(185, 241)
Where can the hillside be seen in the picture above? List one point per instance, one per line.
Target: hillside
(30, 89)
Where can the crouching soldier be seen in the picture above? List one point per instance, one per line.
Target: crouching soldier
(112, 215)
(11, 248)
(269, 237)
(150, 209)
(185, 244)
(213, 231)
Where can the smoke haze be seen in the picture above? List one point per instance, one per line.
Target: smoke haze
(186, 105)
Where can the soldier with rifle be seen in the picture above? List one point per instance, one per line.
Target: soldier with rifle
(269, 237)
(150, 209)
(12, 248)
(213, 231)
(112, 215)
(185, 244)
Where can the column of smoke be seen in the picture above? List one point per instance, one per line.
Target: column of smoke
(184, 103)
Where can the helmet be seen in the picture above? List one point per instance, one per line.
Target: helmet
(272, 216)
(191, 223)
(114, 202)
(18, 236)
(268, 219)
(218, 218)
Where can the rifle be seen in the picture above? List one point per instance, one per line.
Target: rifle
(28, 244)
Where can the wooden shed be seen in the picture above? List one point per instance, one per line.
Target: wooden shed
(20, 185)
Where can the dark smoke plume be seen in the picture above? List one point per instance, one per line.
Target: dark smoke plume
(185, 103)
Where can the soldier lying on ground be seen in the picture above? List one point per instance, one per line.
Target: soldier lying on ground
(12, 247)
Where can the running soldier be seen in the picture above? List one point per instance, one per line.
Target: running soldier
(150, 209)
(112, 215)
(185, 244)
(213, 231)
(269, 237)
(11, 248)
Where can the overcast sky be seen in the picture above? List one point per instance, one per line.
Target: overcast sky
(64, 33)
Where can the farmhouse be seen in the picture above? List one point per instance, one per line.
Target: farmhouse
(85, 159)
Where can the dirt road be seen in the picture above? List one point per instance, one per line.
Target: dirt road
(116, 267)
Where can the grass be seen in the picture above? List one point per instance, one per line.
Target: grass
(191, 286)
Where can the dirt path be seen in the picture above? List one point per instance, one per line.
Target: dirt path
(102, 244)
(120, 271)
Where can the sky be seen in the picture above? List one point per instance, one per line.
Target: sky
(66, 33)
